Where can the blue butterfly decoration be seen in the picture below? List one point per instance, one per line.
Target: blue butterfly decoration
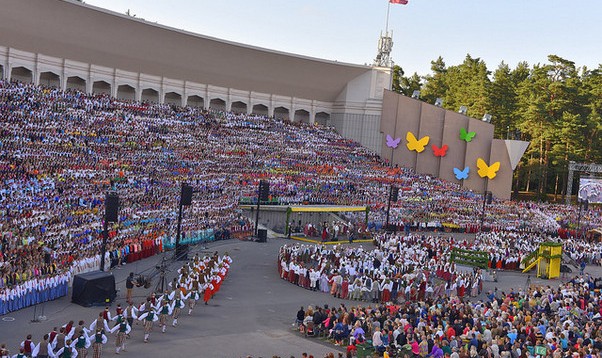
(461, 174)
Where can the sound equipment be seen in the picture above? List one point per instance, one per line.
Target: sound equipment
(112, 207)
(394, 193)
(585, 204)
(264, 190)
(262, 235)
(95, 288)
(186, 195)
(489, 197)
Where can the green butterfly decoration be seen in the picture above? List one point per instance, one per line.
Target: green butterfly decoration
(467, 136)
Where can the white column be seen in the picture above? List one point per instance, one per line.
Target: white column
(35, 73)
(114, 84)
(228, 102)
(89, 81)
(138, 90)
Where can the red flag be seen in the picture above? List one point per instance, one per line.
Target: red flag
(402, 2)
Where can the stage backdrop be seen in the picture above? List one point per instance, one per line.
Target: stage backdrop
(448, 145)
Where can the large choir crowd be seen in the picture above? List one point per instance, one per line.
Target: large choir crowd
(199, 279)
(61, 151)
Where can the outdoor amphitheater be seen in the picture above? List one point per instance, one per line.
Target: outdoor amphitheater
(165, 193)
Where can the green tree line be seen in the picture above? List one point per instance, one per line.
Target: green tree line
(556, 106)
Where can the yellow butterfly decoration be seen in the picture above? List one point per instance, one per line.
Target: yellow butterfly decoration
(415, 144)
(487, 171)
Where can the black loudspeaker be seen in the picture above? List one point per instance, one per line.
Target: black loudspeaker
(585, 204)
(262, 235)
(394, 193)
(186, 195)
(112, 208)
(264, 190)
(93, 289)
(489, 197)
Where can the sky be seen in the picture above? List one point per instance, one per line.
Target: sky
(348, 30)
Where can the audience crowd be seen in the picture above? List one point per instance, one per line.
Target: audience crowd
(531, 322)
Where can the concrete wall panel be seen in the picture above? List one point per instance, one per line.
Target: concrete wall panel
(479, 147)
(501, 184)
(408, 120)
(431, 124)
(457, 148)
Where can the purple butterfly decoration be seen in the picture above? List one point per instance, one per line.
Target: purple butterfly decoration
(392, 143)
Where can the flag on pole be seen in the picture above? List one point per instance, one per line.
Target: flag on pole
(402, 2)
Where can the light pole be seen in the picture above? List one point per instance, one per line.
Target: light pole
(487, 198)
(393, 196)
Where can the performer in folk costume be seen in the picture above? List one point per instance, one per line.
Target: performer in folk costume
(130, 313)
(59, 339)
(123, 329)
(81, 326)
(106, 314)
(21, 354)
(208, 292)
(98, 340)
(28, 346)
(118, 311)
(148, 317)
(177, 299)
(81, 342)
(100, 322)
(193, 296)
(149, 305)
(69, 331)
(216, 282)
(44, 348)
(68, 351)
(164, 311)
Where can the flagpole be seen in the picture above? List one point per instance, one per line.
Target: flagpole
(387, 22)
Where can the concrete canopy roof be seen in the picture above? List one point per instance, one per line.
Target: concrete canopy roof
(75, 31)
